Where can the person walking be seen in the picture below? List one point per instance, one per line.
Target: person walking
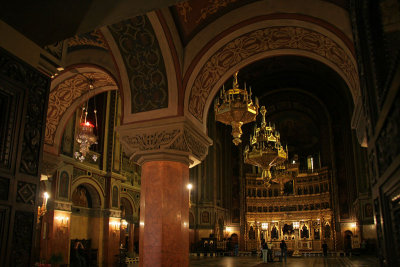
(283, 249)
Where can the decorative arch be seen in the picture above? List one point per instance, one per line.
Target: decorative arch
(127, 209)
(85, 193)
(261, 40)
(134, 204)
(95, 187)
(68, 91)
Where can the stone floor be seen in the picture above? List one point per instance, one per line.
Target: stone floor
(295, 262)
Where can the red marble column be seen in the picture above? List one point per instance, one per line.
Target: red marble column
(164, 214)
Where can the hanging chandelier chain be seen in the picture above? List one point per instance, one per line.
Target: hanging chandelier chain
(86, 137)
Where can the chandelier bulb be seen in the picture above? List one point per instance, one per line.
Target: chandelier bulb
(235, 84)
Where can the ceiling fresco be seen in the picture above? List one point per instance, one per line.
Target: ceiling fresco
(194, 15)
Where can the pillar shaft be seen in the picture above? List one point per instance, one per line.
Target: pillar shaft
(164, 214)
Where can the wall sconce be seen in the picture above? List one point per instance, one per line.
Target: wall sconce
(115, 226)
(62, 221)
(42, 209)
(296, 225)
(61, 224)
(124, 224)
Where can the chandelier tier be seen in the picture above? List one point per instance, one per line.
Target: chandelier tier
(265, 150)
(285, 172)
(237, 108)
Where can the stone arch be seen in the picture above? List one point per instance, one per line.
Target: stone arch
(126, 208)
(262, 40)
(94, 187)
(134, 204)
(67, 92)
(88, 191)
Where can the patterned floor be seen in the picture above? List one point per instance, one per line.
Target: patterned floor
(356, 261)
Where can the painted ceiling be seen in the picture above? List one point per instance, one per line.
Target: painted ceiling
(193, 15)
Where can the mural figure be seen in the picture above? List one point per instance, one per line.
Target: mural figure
(252, 233)
(327, 231)
(64, 185)
(304, 233)
(274, 233)
(80, 197)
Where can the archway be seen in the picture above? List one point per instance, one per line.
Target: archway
(264, 40)
(68, 91)
(348, 241)
(86, 205)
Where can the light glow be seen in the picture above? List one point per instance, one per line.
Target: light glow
(264, 226)
(189, 186)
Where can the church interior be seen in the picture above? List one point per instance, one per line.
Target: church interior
(151, 132)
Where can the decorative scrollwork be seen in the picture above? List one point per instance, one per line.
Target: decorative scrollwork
(178, 139)
(144, 63)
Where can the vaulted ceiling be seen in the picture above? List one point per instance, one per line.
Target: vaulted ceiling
(46, 22)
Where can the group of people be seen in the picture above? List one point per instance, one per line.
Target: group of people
(268, 249)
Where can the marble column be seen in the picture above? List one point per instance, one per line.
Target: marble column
(164, 214)
(165, 149)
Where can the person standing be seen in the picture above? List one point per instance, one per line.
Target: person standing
(265, 252)
(325, 248)
(270, 251)
(283, 249)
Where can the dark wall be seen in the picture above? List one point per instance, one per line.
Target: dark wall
(23, 103)
(376, 28)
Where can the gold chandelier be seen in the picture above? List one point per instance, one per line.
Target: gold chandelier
(86, 137)
(237, 108)
(265, 150)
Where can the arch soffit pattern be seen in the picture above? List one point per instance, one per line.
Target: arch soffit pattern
(261, 40)
(67, 92)
(82, 180)
(171, 69)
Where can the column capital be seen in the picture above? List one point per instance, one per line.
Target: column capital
(172, 139)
